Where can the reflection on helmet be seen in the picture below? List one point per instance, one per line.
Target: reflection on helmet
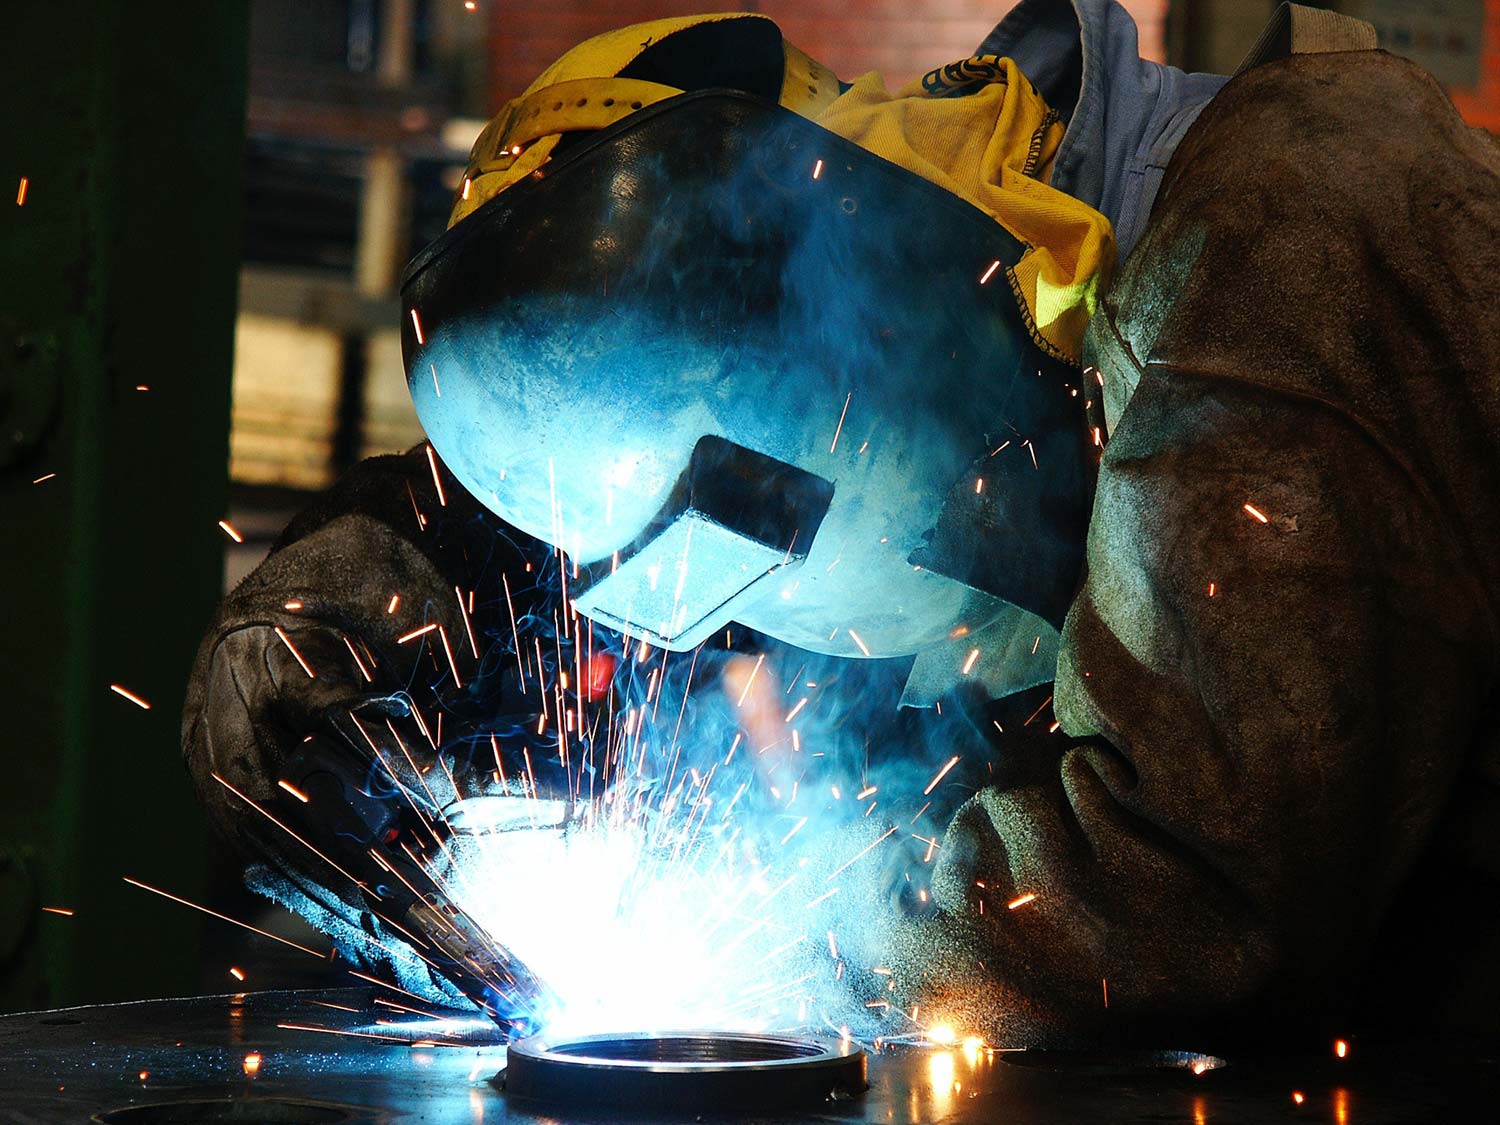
(741, 369)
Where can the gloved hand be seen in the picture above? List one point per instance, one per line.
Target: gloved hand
(332, 669)
(315, 631)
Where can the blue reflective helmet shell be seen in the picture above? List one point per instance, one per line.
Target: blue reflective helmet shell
(741, 369)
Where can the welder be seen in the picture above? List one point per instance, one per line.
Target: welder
(857, 370)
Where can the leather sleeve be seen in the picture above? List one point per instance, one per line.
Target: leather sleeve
(1262, 714)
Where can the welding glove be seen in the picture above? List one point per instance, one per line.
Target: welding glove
(324, 627)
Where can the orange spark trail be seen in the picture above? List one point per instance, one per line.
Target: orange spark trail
(290, 833)
(432, 464)
(931, 785)
(286, 640)
(415, 633)
(225, 918)
(130, 695)
(842, 414)
(884, 837)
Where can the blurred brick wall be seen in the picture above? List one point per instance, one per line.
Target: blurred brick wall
(900, 38)
(1481, 105)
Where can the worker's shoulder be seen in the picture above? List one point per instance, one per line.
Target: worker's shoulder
(1359, 118)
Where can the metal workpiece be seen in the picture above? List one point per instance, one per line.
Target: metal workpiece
(689, 1071)
(353, 1055)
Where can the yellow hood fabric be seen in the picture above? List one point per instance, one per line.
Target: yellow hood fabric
(977, 128)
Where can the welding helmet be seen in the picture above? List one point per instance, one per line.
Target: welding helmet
(751, 344)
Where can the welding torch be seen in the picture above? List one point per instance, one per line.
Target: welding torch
(390, 836)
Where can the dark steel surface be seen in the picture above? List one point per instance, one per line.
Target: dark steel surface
(68, 1065)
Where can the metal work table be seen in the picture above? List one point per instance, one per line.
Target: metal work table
(227, 1056)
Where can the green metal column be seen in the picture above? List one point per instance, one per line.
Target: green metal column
(117, 301)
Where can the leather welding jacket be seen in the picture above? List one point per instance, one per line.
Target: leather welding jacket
(1274, 796)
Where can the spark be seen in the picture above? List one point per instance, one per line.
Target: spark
(1298, 1097)
(417, 324)
(824, 897)
(1021, 900)
(1212, 589)
(969, 663)
(415, 633)
(792, 714)
(336, 1031)
(47, 476)
(452, 664)
(817, 169)
(1255, 513)
(468, 625)
(759, 660)
(360, 664)
(228, 529)
(394, 602)
(840, 427)
(292, 607)
(1341, 1048)
(286, 640)
(252, 1063)
(62, 910)
(886, 835)
(335, 1007)
(21, 191)
(1038, 711)
(795, 829)
(437, 481)
(130, 695)
(432, 366)
(942, 773)
(293, 790)
(858, 640)
(225, 918)
(290, 833)
(989, 273)
(1104, 984)
(978, 485)
(867, 791)
(237, 974)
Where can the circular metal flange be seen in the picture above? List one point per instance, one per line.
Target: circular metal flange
(684, 1070)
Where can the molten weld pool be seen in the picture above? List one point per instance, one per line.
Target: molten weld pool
(685, 1070)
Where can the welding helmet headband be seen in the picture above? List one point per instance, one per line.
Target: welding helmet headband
(742, 369)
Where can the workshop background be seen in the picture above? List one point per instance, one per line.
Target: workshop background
(198, 329)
